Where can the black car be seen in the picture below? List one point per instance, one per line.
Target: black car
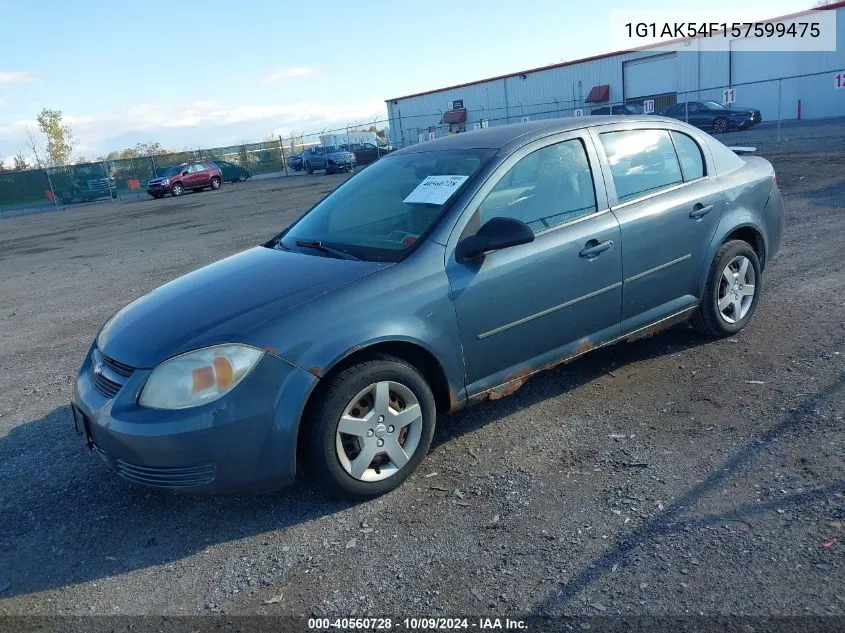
(622, 108)
(366, 153)
(709, 115)
(295, 162)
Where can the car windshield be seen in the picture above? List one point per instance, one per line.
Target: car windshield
(383, 211)
(167, 172)
(712, 105)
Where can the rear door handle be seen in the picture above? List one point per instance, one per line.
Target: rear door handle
(594, 248)
(700, 210)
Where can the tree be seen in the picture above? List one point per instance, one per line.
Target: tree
(20, 163)
(60, 140)
(149, 149)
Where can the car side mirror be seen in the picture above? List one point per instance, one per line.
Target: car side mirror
(185, 173)
(494, 235)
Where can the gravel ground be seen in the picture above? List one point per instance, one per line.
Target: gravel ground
(671, 476)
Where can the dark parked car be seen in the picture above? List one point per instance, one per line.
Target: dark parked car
(332, 159)
(196, 175)
(232, 172)
(295, 162)
(709, 115)
(622, 108)
(444, 274)
(366, 153)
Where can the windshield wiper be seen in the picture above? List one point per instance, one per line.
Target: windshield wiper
(319, 246)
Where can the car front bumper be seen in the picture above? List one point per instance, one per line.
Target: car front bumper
(245, 440)
(158, 189)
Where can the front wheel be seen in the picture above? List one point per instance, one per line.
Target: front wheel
(732, 291)
(215, 183)
(372, 427)
(720, 125)
(308, 169)
(176, 190)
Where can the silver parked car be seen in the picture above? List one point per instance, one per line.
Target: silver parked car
(442, 275)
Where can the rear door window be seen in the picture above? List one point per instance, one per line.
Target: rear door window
(641, 162)
(692, 161)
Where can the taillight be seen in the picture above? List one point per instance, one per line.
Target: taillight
(776, 178)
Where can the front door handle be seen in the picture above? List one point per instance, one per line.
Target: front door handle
(594, 248)
(700, 210)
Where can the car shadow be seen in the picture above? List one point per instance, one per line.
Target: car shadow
(567, 377)
(67, 520)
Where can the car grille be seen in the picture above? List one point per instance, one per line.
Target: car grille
(111, 378)
(184, 477)
(106, 387)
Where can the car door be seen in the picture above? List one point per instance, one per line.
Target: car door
(699, 116)
(525, 307)
(668, 210)
(201, 176)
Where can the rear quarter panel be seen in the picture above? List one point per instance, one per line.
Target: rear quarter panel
(752, 200)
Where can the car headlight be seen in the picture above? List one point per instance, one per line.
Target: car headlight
(166, 181)
(198, 377)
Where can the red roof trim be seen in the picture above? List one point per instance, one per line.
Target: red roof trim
(598, 94)
(835, 5)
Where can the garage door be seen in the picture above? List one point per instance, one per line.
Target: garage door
(653, 75)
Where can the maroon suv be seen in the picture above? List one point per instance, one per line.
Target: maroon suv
(196, 175)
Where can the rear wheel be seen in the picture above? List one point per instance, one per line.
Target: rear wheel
(372, 427)
(215, 183)
(732, 291)
(177, 190)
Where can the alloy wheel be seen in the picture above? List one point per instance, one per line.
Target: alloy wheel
(736, 290)
(379, 431)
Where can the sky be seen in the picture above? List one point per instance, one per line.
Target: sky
(193, 74)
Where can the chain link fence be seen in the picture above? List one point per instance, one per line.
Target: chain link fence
(781, 99)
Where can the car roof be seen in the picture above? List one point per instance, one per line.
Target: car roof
(520, 133)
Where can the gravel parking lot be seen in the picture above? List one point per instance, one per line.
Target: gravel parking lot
(671, 476)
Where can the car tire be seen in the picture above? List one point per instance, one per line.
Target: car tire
(308, 169)
(378, 382)
(733, 288)
(158, 196)
(215, 183)
(177, 190)
(720, 125)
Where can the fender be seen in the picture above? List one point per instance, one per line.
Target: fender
(731, 221)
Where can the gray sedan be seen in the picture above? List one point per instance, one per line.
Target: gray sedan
(443, 275)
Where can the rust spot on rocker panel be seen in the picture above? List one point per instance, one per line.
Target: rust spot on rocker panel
(583, 347)
(511, 385)
(656, 328)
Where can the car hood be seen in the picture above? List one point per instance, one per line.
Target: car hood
(225, 302)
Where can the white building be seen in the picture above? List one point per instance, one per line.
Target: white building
(789, 85)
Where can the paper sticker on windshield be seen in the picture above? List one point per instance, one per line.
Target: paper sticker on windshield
(435, 190)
